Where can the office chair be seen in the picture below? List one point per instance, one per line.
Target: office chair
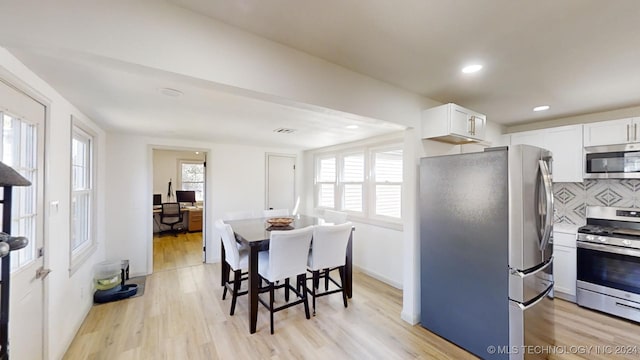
(171, 215)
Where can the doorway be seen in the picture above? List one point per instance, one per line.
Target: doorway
(179, 176)
(281, 184)
(22, 122)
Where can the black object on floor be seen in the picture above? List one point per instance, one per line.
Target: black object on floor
(116, 293)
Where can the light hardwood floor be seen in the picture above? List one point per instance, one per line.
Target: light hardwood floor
(182, 316)
(173, 252)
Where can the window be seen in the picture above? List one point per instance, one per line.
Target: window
(387, 179)
(326, 182)
(19, 150)
(365, 182)
(352, 182)
(82, 193)
(192, 177)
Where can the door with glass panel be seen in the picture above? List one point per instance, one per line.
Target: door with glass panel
(22, 148)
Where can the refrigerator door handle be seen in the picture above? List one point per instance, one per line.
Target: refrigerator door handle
(545, 174)
(538, 269)
(540, 297)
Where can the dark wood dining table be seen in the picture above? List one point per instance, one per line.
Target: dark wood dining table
(255, 234)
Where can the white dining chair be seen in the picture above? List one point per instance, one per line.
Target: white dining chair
(328, 252)
(334, 217)
(237, 258)
(286, 258)
(275, 213)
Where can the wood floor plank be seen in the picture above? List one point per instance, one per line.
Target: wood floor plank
(182, 316)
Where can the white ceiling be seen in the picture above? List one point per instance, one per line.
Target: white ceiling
(578, 56)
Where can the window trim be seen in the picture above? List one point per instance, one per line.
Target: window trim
(368, 215)
(197, 162)
(373, 183)
(317, 183)
(78, 256)
(341, 182)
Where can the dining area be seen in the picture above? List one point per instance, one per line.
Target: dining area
(287, 260)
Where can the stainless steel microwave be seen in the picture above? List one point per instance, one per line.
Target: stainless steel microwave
(612, 162)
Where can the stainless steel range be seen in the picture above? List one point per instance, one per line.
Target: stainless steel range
(608, 261)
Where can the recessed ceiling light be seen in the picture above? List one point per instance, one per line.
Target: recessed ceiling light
(541, 108)
(170, 92)
(352, 126)
(197, 152)
(471, 68)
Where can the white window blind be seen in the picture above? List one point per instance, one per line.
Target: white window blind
(365, 182)
(388, 182)
(352, 182)
(326, 182)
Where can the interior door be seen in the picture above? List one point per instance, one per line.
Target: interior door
(22, 147)
(281, 189)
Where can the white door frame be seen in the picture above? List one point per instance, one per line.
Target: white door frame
(266, 175)
(207, 206)
(9, 78)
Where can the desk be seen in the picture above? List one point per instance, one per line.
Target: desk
(255, 233)
(192, 219)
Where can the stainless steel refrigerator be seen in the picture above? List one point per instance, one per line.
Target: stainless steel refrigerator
(486, 225)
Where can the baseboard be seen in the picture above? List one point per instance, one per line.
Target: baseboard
(563, 296)
(76, 328)
(377, 276)
(411, 319)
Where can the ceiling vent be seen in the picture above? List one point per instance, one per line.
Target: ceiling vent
(284, 131)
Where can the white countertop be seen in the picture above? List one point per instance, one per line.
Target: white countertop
(566, 228)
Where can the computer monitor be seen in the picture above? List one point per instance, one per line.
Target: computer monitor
(186, 196)
(157, 199)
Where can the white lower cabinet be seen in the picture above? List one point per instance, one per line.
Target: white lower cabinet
(564, 265)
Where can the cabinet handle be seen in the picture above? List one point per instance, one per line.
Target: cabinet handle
(635, 132)
(627, 132)
(473, 124)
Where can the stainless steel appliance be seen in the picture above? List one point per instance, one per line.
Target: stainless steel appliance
(486, 221)
(614, 161)
(608, 263)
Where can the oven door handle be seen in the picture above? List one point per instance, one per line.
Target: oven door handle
(609, 249)
(545, 174)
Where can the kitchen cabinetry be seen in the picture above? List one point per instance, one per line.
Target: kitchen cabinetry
(453, 124)
(195, 220)
(565, 142)
(612, 132)
(564, 265)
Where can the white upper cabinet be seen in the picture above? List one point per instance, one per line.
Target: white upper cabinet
(453, 124)
(612, 132)
(565, 142)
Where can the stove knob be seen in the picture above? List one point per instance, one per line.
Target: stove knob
(602, 239)
(590, 237)
(626, 242)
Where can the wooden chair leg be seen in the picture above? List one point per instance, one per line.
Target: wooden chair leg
(303, 279)
(237, 279)
(326, 279)
(344, 293)
(286, 289)
(224, 291)
(271, 286)
(314, 291)
(316, 279)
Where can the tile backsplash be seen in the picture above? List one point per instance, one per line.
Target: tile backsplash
(572, 199)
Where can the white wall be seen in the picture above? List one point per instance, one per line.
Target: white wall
(578, 119)
(68, 296)
(166, 167)
(235, 181)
